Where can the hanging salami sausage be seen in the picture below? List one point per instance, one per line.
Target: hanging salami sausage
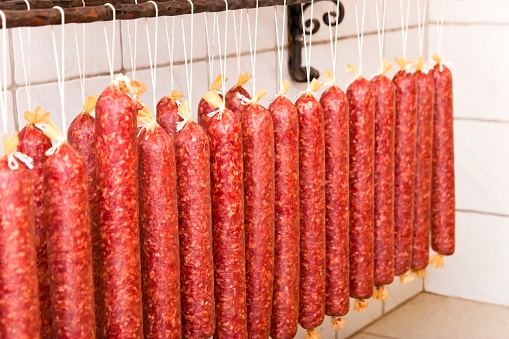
(117, 177)
(312, 209)
(383, 89)
(422, 195)
(285, 301)
(362, 111)
(335, 111)
(226, 171)
(160, 256)
(404, 166)
(442, 194)
(167, 112)
(192, 155)
(34, 143)
(236, 95)
(69, 240)
(81, 136)
(19, 295)
(204, 108)
(258, 149)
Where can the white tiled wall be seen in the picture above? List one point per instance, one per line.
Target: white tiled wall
(45, 91)
(474, 43)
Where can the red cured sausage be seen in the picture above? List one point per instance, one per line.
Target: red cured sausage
(205, 108)
(34, 143)
(312, 211)
(335, 110)
(159, 234)
(195, 230)
(233, 99)
(443, 194)
(226, 168)
(422, 195)
(258, 147)
(69, 244)
(167, 115)
(285, 301)
(384, 179)
(117, 176)
(362, 111)
(81, 136)
(404, 169)
(19, 295)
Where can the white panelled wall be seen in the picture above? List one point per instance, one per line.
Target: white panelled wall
(472, 42)
(475, 36)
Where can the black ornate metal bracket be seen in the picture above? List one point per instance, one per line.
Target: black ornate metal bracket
(296, 39)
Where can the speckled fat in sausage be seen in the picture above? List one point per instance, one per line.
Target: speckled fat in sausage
(312, 211)
(195, 230)
(159, 234)
(19, 295)
(258, 148)
(336, 111)
(443, 194)
(362, 111)
(285, 302)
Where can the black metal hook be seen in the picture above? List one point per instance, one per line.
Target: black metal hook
(296, 39)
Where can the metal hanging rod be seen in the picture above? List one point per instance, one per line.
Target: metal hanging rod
(43, 14)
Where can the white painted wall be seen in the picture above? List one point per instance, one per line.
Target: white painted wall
(475, 42)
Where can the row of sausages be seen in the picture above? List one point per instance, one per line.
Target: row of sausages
(241, 225)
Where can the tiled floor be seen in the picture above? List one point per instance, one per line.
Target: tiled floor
(429, 316)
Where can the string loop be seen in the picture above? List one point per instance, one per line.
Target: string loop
(132, 55)
(189, 70)
(252, 49)
(61, 69)
(111, 54)
(280, 45)
(381, 34)
(153, 64)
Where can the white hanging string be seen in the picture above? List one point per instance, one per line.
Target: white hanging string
(111, 54)
(404, 25)
(26, 74)
(210, 47)
(170, 48)
(81, 68)
(3, 96)
(333, 43)
(153, 64)
(360, 32)
(252, 46)
(440, 28)
(238, 40)
(307, 52)
(280, 44)
(223, 59)
(421, 25)
(61, 69)
(381, 33)
(132, 52)
(189, 71)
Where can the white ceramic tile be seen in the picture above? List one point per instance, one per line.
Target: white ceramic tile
(432, 316)
(10, 118)
(43, 66)
(141, 53)
(7, 69)
(478, 64)
(470, 11)
(477, 268)
(481, 166)
(265, 38)
(357, 320)
(400, 293)
(364, 335)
